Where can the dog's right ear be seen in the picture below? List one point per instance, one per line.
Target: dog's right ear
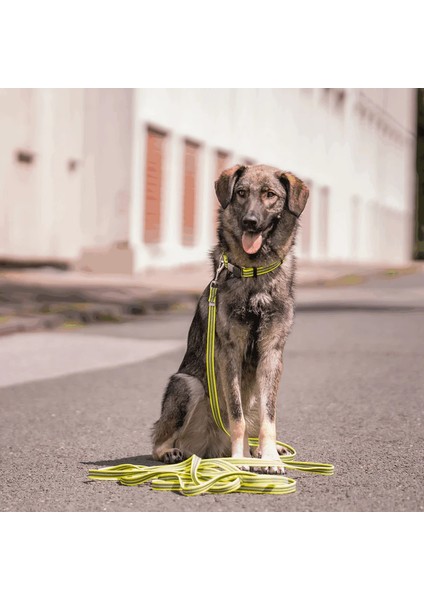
(224, 185)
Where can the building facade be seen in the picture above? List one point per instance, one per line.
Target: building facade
(121, 180)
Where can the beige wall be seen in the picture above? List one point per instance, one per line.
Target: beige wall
(356, 148)
(74, 196)
(82, 198)
(108, 131)
(37, 199)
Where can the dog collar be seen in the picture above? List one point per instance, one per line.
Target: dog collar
(241, 272)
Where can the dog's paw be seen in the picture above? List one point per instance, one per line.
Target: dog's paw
(269, 470)
(277, 469)
(255, 452)
(173, 456)
(282, 451)
(243, 467)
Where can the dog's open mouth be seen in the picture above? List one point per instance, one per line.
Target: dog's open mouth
(251, 242)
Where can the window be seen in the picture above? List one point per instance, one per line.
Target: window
(191, 159)
(25, 157)
(153, 189)
(323, 207)
(221, 163)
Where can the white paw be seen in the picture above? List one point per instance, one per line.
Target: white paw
(269, 470)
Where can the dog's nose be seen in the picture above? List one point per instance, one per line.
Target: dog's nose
(250, 221)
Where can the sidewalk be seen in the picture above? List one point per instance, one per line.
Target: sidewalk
(32, 299)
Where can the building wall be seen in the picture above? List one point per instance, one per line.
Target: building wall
(73, 171)
(41, 148)
(355, 148)
(106, 181)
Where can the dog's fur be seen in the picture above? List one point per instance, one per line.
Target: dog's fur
(254, 318)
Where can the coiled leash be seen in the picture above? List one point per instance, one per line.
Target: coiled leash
(196, 475)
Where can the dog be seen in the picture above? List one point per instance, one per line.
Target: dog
(258, 219)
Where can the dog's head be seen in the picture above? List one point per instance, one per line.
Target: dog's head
(255, 199)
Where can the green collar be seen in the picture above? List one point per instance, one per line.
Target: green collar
(249, 271)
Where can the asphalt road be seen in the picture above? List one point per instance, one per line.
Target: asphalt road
(352, 394)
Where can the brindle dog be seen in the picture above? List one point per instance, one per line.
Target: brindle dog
(258, 220)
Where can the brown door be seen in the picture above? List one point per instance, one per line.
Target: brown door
(191, 160)
(153, 190)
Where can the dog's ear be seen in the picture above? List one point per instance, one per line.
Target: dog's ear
(224, 185)
(297, 192)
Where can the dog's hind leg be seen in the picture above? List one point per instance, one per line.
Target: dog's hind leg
(181, 396)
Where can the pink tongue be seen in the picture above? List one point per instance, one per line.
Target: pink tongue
(251, 242)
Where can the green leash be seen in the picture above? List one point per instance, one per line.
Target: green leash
(195, 475)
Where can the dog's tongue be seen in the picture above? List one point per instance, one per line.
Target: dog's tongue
(251, 242)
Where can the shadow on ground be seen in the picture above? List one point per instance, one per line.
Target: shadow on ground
(143, 459)
(357, 307)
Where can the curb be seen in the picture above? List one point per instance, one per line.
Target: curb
(26, 306)
(36, 315)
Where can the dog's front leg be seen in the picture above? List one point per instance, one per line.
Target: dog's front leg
(269, 370)
(230, 375)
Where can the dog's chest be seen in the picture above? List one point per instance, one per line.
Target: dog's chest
(259, 302)
(251, 307)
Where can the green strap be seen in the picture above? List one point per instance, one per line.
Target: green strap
(197, 476)
(252, 271)
(210, 358)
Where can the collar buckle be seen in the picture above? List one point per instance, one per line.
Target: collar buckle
(235, 270)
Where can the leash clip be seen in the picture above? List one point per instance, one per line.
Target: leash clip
(221, 265)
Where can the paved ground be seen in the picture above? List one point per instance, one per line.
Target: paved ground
(46, 298)
(352, 394)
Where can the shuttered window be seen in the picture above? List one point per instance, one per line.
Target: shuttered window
(191, 160)
(221, 163)
(153, 189)
(323, 215)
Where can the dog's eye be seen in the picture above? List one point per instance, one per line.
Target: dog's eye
(270, 194)
(241, 193)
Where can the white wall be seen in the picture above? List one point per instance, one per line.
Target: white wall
(74, 197)
(41, 201)
(106, 183)
(357, 144)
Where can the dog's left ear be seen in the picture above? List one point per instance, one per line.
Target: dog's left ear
(297, 192)
(224, 185)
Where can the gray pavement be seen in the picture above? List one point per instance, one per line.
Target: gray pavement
(352, 394)
(45, 298)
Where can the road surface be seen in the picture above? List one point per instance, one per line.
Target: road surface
(352, 394)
